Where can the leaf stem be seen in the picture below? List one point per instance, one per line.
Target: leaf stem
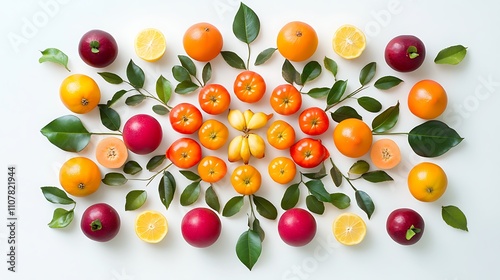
(358, 90)
(150, 179)
(248, 58)
(251, 218)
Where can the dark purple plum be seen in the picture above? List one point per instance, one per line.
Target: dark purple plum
(405, 53)
(405, 226)
(100, 222)
(98, 48)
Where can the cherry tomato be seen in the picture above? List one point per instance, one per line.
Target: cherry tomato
(282, 170)
(249, 86)
(280, 135)
(308, 152)
(214, 99)
(213, 134)
(212, 169)
(185, 118)
(184, 153)
(286, 100)
(246, 179)
(313, 121)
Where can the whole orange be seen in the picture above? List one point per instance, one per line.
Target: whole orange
(202, 41)
(352, 137)
(80, 176)
(297, 41)
(427, 99)
(427, 181)
(79, 93)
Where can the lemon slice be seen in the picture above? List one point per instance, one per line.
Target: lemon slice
(349, 229)
(151, 226)
(150, 44)
(349, 41)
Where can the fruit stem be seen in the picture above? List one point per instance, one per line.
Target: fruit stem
(94, 46)
(412, 52)
(411, 232)
(96, 225)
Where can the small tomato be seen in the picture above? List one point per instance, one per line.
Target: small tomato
(308, 152)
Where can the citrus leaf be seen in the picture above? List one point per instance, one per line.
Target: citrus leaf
(365, 202)
(345, 112)
(317, 188)
(316, 175)
(336, 92)
(166, 189)
(433, 138)
(160, 110)
(377, 176)
(61, 218)
(67, 133)
(233, 206)
(180, 74)
(163, 89)
(132, 167)
(190, 175)
(206, 73)
(258, 229)
(311, 71)
(314, 205)
(154, 162)
(246, 24)
(56, 196)
(135, 99)
(188, 64)
(386, 120)
(109, 117)
(289, 73)
(451, 55)
(336, 175)
(185, 87)
(249, 248)
(290, 197)
(370, 104)
(265, 208)
(54, 55)
(367, 73)
(387, 82)
(233, 60)
(211, 199)
(359, 167)
(190, 194)
(111, 78)
(264, 56)
(135, 199)
(331, 66)
(119, 94)
(114, 179)
(340, 200)
(454, 217)
(318, 92)
(135, 75)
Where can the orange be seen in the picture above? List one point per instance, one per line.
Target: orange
(80, 176)
(79, 93)
(352, 137)
(349, 229)
(282, 170)
(427, 181)
(297, 41)
(111, 152)
(349, 42)
(385, 153)
(150, 44)
(151, 226)
(202, 41)
(249, 86)
(281, 135)
(213, 134)
(212, 169)
(427, 99)
(246, 179)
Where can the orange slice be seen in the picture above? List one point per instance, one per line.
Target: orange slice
(349, 41)
(349, 229)
(150, 44)
(151, 226)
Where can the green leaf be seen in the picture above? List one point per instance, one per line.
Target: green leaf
(246, 24)
(188, 64)
(119, 94)
(386, 120)
(61, 218)
(454, 217)
(186, 87)
(377, 176)
(264, 56)
(190, 194)
(135, 199)
(331, 66)
(290, 197)
(163, 89)
(166, 189)
(387, 82)
(314, 205)
(318, 92)
(67, 133)
(336, 92)
(412, 52)
(160, 110)
(114, 179)
(345, 112)
(109, 117)
(433, 138)
(211, 199)
(340, 200)
(317, 189)
(206, 73)
(135, 75)
(154, 162)
(451, 55)
(289, 73)
(359, 167)
(135, 99)
(336, 175)
(311, 71)
(132, 167)
(233, 60)
(111, 78)
(190, 175)
(56, 196)
(316, 175)
(54, 55)
(367, 73)
(265, 208)
(233, 206)
(249, 248)
(370, 104)
(180, 74)
(365, 202)
(258, 229)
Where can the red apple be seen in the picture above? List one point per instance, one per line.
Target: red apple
(98, 48)
(201, 227)
(405, 226)
(297, 227)
(405, 53)
(100, 222)
(142, 134)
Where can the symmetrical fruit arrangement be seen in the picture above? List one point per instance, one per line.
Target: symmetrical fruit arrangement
(304, 158)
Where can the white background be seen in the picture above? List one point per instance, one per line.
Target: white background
(30, 100)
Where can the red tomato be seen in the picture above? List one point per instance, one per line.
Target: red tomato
(313, 121)
(308, 152)
(286, 100)
(249, 86)
(214, 99)
(185, 118)
(184, 153)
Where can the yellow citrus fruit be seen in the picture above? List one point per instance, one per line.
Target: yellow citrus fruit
(349, 229)
(151, 226)
(150, 44)
(349, 41)
(79, 93)
(427, 181)
(297, 41)
(80, 176)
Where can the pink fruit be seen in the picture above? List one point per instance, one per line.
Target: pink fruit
(297, 227)
(100, 222)
(142, 134)
(98, 48)
(405, 226)
(405, 53)
(201, 227)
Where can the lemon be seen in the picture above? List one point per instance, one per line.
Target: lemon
(349, 41)
(151, 226)
(349, 229)
(150, 44)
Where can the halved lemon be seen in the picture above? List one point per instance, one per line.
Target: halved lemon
(151, 226)
(349, 229)
(349, 41)
(150, 44)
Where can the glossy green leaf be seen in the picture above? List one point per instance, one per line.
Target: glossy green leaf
(317, 188)
(311, 71)
(387, 82)
(365, 202)
(109, 117)
(451, 55)
(190, 194)
(256, 227)
(233, 60)
(135, 199)
(206, 73)
(233, 206)
(114, 179)
(359, 167)
(289, 73)
(377, 176)
(155, 161)
(135, 75)
(290, 197)
(180, 74)
(186, 87)
(321, 173)
(386, 120)
(212, 199)
(160, 109)
(249, 248)
(190, 175)
(314, 205)
(264, 56)
(454, 217)
(166, 189)
(119, 94)
(370, 104)
(54, 55)
(246, 24)
(336, 92)
(135, 99)
(67, 133)
(163, 89)
(340, 200)
(367, 73)
(132, 167)
(433, 138)
(188, 63)
(111, 78)
(331, 66)
(265, 208)
(61, 218)
(56, 195)
(336, 175)
(321, 92)
(345, 112)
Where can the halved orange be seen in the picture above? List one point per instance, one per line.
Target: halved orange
(150, 44)
(349, 41)
(349, 229)
(151, 226)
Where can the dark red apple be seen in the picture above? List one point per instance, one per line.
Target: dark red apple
(297, 227)
(405, 226)
(405, 53)
(98, 48)
(201, 227)
(100, 222)
(142, 134)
